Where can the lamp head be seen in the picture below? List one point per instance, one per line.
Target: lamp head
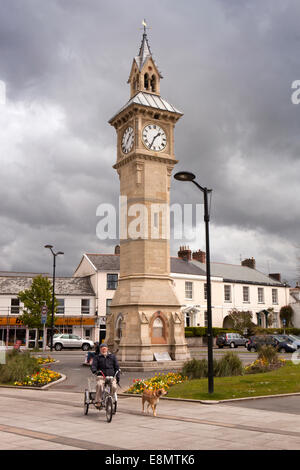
(184, 176)
(48, 246)
(60, 253)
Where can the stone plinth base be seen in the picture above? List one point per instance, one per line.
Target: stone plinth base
(131, 366)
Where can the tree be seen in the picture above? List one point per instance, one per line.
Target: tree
(240, 321)
(34, 298)
(286, 313)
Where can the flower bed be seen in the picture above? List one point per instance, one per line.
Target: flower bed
(154, 383)
(263, 365)
(44, 377)
(45, 360)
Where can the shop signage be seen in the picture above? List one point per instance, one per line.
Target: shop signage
(12, 321)
(75, 321)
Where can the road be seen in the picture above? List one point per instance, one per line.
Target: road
(71, 364)
(54, 419)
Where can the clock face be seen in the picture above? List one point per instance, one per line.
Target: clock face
(154, 137)
(127, 140)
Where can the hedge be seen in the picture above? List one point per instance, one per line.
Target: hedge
(191, 331)
(202, 331)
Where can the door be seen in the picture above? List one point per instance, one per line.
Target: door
(32, 337)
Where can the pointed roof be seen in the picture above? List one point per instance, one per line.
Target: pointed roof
(144, 53)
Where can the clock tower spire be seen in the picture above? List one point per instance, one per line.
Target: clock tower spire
(144, 75)
(146, 315)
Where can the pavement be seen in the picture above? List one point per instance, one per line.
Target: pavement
(54, 420)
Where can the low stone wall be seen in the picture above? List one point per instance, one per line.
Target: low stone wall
(198, 341)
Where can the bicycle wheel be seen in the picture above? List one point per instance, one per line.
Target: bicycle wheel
(115, 403)
(109, 408)
(86, 404)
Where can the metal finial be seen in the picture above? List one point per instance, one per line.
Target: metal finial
(145, 26)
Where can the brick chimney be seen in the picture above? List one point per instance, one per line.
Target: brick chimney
(199, 256)
(250, 262)
(117, 249)
(276, 276)
(185, 253)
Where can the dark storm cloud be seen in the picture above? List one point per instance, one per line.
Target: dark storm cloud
(228, 65)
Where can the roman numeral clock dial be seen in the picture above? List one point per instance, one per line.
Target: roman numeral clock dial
(154, 137)
(127, 140)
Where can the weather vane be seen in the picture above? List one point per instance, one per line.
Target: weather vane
(145, 25)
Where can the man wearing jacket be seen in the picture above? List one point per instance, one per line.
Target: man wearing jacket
(104, 364)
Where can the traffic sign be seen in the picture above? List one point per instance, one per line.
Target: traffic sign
(44, 314)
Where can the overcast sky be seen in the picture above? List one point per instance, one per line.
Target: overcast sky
(227, 64)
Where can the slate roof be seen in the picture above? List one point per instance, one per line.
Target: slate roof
(180, 266)
(12, 285)
(238, 273)
(112, 263)
(144, 52)
(149, 100)
(102, 262)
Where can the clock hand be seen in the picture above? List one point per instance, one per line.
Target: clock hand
(157, 135)
(128, 139)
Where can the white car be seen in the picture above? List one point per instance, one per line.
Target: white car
(64, 340)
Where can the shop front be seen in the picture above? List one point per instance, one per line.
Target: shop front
(12, 330)
(80, 325)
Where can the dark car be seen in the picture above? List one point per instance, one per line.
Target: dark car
(233, 340)
(281, 342)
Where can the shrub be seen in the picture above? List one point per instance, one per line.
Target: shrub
(188, 334)
(230, 364)
(269, 353)
(195, 369)
(18, 366)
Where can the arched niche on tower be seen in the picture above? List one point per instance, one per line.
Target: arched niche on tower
(159, 328)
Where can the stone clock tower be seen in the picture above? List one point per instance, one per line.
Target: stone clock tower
(145, 313)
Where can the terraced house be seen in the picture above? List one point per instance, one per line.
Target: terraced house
(239, 287)
(84, 299)
(75, 313)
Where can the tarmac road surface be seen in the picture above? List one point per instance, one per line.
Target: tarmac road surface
(52, 419)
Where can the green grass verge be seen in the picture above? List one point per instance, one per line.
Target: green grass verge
(283, 380)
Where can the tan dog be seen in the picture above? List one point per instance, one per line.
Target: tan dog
(152, 398)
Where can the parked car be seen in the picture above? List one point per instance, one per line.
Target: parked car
(295, 339)
(63, 340)
(285, 344)
(281, 342)
(233, 340)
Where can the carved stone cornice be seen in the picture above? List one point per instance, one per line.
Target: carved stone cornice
(168, 161)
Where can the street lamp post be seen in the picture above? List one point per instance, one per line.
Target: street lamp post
(186, 176)
(53, 291)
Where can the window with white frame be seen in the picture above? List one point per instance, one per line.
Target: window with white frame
(85, 306)
(246, 295)
(275, 319)
(227, 293)
(274, 296)
(112, 281)
(261, 295)
(108, 302)
(188, 290)
(205, 319)
(15, 306)
(61, 307)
